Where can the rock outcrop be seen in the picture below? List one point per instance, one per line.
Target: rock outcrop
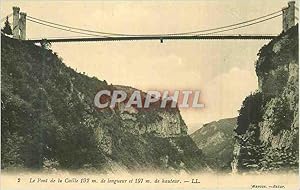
(268, 125)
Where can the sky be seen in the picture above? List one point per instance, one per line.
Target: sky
(224, 71)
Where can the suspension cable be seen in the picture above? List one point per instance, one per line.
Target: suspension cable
(123, 34)
(235, 28)
(243, 25)
(68, 30)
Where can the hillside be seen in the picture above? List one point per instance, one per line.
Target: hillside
(216, 141)
(267, 135)
(49, 121)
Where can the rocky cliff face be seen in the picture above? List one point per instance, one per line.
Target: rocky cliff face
(160, 122)
(49, 121)
(216, 140)
(268, 126)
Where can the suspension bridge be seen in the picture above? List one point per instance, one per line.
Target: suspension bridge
(288, 15)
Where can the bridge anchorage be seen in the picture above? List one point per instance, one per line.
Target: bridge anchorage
(288, 14)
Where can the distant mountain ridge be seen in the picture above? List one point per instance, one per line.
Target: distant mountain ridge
(216, 141)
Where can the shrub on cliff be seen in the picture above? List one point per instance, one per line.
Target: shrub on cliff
(250, 112)
(278, 115)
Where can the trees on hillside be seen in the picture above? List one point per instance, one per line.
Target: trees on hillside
(7, 28)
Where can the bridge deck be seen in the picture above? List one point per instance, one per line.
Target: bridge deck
(161, 38)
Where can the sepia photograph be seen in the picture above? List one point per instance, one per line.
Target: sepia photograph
(167, 94)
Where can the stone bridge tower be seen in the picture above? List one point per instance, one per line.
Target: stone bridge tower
(288, 16)
(16, 13)
(19, 24)
(22, 23)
